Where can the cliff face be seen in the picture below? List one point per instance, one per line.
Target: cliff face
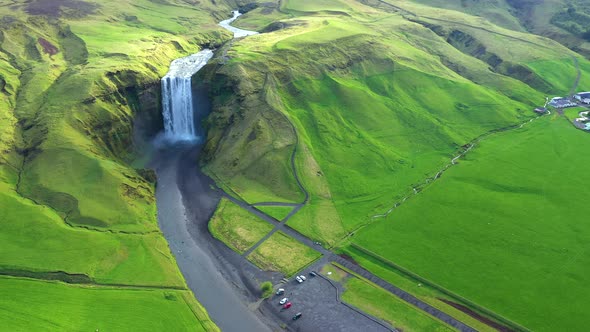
(75, 99)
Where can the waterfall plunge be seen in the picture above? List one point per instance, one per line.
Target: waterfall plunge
(177, 96)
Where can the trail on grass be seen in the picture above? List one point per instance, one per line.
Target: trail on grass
(579, 75)
(77, 279)
(329, 256)
(466, 148)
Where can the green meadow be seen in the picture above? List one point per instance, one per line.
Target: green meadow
(372, 98)
(29, 305)
(283, 254)
(382, 304)
(505, 228)
(71, 202)
(426, 293)
(236, 227)
(381, 99)
(277, 212)
(375, 112)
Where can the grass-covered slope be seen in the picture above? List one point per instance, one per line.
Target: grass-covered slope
(25, 307)
(380, 99)
(505, 228)
(564, 21)
(72, 77)
(381, 95)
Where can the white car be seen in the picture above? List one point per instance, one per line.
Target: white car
(280, 291)
(298, 278)
(283, 301)
(302, 277)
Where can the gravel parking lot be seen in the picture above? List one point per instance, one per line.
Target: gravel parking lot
(316, 300)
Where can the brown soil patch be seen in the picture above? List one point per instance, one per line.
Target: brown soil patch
(48, 47)
(58, 8)
(479, 317)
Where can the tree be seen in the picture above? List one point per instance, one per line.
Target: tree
(266, 289)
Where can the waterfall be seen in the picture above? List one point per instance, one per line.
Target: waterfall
(177, 96)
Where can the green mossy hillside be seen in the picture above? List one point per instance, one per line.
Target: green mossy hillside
(73, 77)
(380, 100)
(563, 21)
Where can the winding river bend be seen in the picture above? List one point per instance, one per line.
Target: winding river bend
(186, 201)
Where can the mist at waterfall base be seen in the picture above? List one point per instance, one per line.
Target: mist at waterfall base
(183, 107)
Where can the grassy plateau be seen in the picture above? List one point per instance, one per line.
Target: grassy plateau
(236, 227)
(283, 254)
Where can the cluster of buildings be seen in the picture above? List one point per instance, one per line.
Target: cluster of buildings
(583, 97)
(579, 99)
(583, 121)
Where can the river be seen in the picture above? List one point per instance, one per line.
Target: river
(186, 201)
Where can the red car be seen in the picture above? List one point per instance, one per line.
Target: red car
(287, 305)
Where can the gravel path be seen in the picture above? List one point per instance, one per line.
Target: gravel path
(578, 76)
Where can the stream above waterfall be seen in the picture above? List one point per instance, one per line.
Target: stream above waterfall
(238, 33)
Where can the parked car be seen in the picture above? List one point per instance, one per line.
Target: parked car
(302, 277)
(297, 316)
(298, 278)
(287, 305)
(280, 291)
(313, 274)
(283, 301)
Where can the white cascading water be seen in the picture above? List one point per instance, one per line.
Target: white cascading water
(177, 97)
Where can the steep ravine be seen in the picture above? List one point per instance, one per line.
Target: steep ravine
(186, 201)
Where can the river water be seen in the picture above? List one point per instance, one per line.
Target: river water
(186, 200)
(238, 33)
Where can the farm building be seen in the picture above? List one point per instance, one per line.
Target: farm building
(540, 110)
(583, 97)
(560, 102)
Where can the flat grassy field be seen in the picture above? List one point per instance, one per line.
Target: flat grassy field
(236, 227)
(283, 254)
(277, 212)
(415, 287)
(29, 305)
(521, 228)
(382, 304)
(34, 238)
